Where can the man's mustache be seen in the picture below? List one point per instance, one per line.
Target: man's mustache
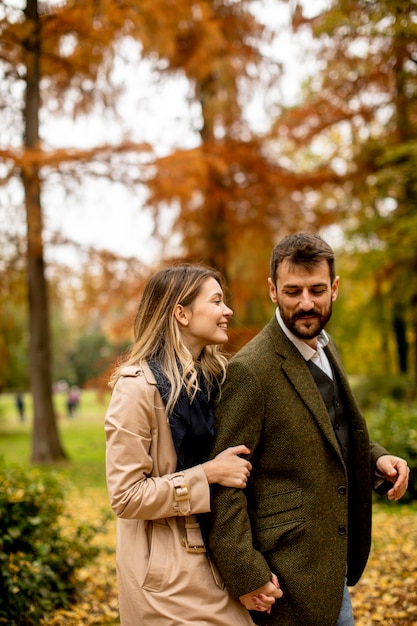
(302, 314)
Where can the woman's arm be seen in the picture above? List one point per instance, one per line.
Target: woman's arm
(131, 429)
(133, 436)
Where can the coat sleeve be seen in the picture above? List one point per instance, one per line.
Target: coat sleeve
(131, 442)
(239, 418)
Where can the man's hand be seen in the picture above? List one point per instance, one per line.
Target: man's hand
(263, 598)
(394, 470)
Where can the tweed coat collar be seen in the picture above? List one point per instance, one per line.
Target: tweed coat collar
(295, 368)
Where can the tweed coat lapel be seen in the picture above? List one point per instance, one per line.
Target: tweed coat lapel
(297, 372)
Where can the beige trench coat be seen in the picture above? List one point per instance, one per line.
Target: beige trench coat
(159, 581)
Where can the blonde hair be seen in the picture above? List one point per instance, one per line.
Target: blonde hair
(157, 335)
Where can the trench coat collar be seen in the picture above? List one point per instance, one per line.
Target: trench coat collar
(139, 369)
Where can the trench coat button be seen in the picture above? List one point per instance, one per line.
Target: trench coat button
(342, 530)
(342, 490)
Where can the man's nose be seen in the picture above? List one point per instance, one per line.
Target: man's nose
(306, 302)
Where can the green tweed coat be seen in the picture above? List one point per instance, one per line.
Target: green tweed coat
(303, 515)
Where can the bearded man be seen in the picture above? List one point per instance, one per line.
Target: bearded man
(303, 522)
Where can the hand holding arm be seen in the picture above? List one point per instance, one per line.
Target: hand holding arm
(263, 598)
(394, 470)
(228, 468)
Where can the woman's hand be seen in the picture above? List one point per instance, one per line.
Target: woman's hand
(228, 468)
(263, 598)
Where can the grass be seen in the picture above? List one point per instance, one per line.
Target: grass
(82, 437)
(93, 403)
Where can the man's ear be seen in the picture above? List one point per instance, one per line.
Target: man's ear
(272, 291)
(181, 315)
(335, 288)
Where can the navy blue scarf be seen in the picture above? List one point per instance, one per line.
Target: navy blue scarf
(192, 423)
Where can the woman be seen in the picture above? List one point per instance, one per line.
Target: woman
(159, 431)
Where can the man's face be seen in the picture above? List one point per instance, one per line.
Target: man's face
(304, 298)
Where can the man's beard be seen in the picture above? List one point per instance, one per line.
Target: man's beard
(313, 327)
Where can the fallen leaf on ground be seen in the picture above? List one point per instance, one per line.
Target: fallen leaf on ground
(385, 596)
(387, 592)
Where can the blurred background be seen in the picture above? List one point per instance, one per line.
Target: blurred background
(135, 134)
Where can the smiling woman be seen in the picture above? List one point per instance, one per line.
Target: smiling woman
(159, 433)
(204, 321)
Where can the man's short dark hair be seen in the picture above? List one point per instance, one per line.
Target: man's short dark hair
(304, 249)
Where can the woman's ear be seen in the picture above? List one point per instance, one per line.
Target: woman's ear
(181, 315)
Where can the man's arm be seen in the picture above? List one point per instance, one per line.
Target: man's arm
(239, 418)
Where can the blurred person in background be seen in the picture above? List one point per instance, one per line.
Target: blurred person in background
(20, 406)
(73, 400)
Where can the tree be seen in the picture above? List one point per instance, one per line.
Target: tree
(54, 50)
(46, 445)
(232, 193)
(360, 119)
(62, 53)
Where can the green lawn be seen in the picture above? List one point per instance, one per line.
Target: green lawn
(82, 437)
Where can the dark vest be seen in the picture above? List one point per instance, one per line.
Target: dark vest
(331, 394)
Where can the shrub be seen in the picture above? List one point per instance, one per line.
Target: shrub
(41, 547)
(394, 425)
(370, 390)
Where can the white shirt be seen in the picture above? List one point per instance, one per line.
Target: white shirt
(318, 356)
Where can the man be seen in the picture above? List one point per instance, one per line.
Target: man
(305, 515)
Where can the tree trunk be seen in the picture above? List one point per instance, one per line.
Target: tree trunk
(214, 231)
(46, 446)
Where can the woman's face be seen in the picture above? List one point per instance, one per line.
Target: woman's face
(204, 322)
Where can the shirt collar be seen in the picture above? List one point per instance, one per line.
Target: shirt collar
(306, 351)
